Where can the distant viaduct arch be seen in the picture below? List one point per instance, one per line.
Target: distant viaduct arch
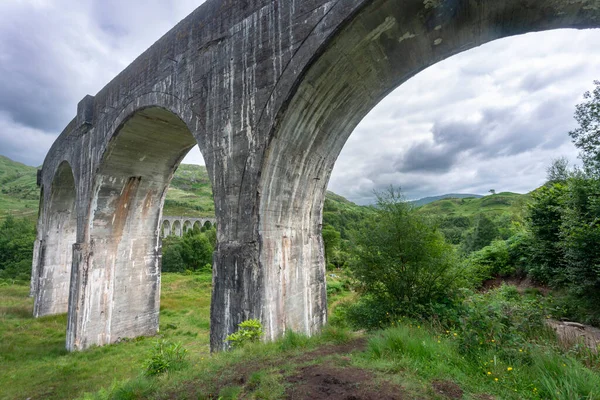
(185, 224)
(270, 91)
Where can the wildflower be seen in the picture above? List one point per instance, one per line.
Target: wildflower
(509, 369)
(455, 334)
(496, 379)
(489, 373)
(493, 341)
(520, 350)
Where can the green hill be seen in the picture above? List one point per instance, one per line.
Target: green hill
(19, 194)
(427, 200)
(457, 217)
(190, 194)
(492, 205)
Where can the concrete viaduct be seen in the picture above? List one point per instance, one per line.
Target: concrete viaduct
(179, 225)
(270, 90)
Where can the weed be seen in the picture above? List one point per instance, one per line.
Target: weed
(249, 331)
(165, 356)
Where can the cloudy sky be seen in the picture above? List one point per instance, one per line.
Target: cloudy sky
(490, 118)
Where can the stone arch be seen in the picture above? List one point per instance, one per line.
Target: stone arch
(197, 226)
(56, 245)
(187, 226)
(166, 228)
(207, 224)
(122, 294)
(177, 228)
(383, 45)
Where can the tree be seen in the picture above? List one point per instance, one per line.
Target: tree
(16, 248)
(400, 259)
(587, 136)
(492, 191)
(481, 235)
(558, 171)
(331, 242)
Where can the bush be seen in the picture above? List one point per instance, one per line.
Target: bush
(500, 320)
(165, 356)
(16, 248)
(401, 261)
(249, 331)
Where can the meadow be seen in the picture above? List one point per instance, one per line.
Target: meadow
(409, 359)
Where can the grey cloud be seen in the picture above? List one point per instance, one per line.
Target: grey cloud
(541, 79)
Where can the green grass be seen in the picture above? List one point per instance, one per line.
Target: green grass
(412, 355)
(35, 363)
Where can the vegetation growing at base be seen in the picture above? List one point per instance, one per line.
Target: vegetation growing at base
(165, 356)
(249, 331)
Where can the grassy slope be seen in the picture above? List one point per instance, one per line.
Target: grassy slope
(409, 360)
(190, 192)
(491, 205)
(18, 190)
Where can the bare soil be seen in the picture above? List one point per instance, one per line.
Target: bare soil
(328, 382)
(448, 389)
(570, 334)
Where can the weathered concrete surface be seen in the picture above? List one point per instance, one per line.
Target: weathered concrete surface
(186, 222)
(270, 90)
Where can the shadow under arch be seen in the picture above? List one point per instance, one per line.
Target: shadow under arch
(122, 293)
(386, 43)
(53, 274)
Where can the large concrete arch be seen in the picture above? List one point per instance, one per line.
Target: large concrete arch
(124, 229)
(53, 274)
(270, 90)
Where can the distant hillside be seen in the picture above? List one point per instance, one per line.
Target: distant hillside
(427, 200)
(469, 206)
(19, 194)
(457, 217)
(190, 193)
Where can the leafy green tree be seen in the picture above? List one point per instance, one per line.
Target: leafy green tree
(191, 252)
(587, 136)
(16, 248)
(545, 221)
(172, 261)
(481, 235)
(401, 259)
(331, 241)
(558, 171)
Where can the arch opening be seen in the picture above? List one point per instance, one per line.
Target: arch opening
(177, 229)
(187, 226)
(122, 295)
(56, 252)
(166, 228)
(385, 44)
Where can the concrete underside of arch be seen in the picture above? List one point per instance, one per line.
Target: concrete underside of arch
(270, 91)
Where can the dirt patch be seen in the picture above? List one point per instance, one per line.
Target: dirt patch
(571, 333)
(358, 344)
(327, 382)
(522, 284)
(448, 389)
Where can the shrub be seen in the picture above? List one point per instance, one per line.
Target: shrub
(501, 320)
(165, 356)
(401, 261)
(249, 331)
